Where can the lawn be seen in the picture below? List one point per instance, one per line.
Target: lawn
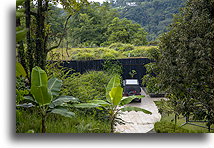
(30, 120)
(169, 119)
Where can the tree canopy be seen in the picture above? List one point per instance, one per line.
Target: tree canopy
(186, 65)
(97, 25)
(153, 15)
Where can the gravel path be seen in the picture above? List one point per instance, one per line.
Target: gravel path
(139, 122)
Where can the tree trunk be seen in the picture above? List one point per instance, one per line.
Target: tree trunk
(175, 122)
(40, 57)
(43, 123)
(28, 36)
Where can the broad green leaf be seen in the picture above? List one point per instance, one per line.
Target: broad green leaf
(114, 82)
(116, 95)
(39, 86)
(133, 108)
(63, 99)
(30, 98)
(39, 77)
(64, 112)
(20, 71)
(26, 105)
(100, 102)
(54, 85)
(127, 100)
(41, 94)
(86, 105)
(20, 35)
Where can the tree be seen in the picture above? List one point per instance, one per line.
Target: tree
(153, 15)
(186, 65)
(37, 36)
(20, 32)
(87, 27)
(125, 31)
(99, 25)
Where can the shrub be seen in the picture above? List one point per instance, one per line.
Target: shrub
(121, 47)
(150, 80)
(84, 56)
(108, 55)
(88, 86)
(112, 67)
(153, 53)
(138, 52)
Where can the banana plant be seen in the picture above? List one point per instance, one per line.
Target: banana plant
(20, 71)
(115, 101)
(45, 95)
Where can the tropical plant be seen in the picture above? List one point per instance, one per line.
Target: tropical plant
(45, 96)
(115, 102)
(132, 73)
(21, 81)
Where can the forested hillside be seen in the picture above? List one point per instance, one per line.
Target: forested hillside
(153, 15)
(95, 25)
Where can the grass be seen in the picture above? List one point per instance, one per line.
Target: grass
(96, 53)
(81, 123)
(169, 118)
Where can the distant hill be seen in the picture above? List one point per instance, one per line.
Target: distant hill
(153, 15)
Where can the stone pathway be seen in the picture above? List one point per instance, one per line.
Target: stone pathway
(139, 122)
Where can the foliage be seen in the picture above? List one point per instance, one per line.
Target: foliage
(55, 69)
(20, 71)
(45, 96)
(167, 127)
(151, 83)
(87, 27)
(100, 25)
(86, 54)
(80, 123)
(121, 47)
(151, 79)
(140, 51)
(125, 31)
(167, 115)
(153, 15)
(127, 50)
(20, 31)
(187, 58)
(132, 73)
(87, 86)
(39, 87)
(112, 67)
(21, 83)
(42, 34)
(115, 101)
